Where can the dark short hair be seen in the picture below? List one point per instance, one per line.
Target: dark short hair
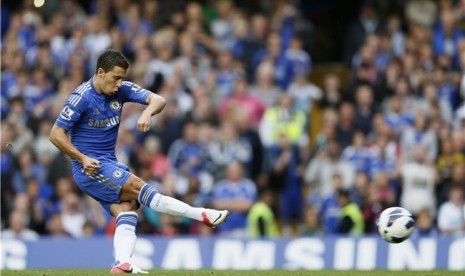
(111, 58)
(342, 192)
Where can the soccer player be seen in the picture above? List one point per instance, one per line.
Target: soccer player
(91, 116)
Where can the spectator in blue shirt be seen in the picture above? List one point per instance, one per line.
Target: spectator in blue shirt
(237, 194)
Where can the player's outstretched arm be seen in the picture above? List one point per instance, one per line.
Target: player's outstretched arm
(156, 104)
(59, 137)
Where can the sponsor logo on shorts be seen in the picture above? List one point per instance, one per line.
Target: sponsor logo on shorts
(117, 173)
(115, 105)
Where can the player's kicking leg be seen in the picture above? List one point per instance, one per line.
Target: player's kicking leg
(136, 189)
(125, 237)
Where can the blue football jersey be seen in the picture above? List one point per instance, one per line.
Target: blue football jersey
(93, 119)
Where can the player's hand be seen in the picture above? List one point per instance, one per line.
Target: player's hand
(90, 165)
(143, 124)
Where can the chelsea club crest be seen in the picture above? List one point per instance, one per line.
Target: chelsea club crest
(117, 174)
(115, 105)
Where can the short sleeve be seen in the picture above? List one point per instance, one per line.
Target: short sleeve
(250, 190)
(71, 112)
(131, 92)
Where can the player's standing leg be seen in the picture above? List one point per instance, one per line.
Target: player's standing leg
(125, 237)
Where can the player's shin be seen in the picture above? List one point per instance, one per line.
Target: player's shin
(151, 198)
(125, 236)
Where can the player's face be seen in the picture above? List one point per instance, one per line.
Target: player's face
(111, 81)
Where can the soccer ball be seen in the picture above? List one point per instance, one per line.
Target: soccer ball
(395, 224)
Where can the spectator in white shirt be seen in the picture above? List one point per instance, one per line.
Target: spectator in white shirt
(451, 217)
(18, 229)
(418, 183)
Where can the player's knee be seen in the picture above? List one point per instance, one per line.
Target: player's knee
(131, 189)
(135, 184)
(125, 206)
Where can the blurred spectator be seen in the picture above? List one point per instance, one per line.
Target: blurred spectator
(419, 134)
(228, 148)
(264, 89)
(365, 108)
(159, 164)
(332, 97)
(72, 215)
(458, 177)
(322, 168)
(418, 183)
(43, 148)
(222, 28)
(286, 180)
(17, 228)
(446, 36)
(88, 230)
(311, 223)
(357, 154)
(28, 168)
(237, 194)
(261, 221)
(424, 225)
(55, 227)
(383, 157)
(396, 119)
(226, 75)
(187, 155)
(351, 219)
(345, 128)
(447, 159)
(250, 134)
(304, 93)
(367, 23)
(241, 101)
(394, 28)
(282, 119)
(299, 61)
(451, 219)
(328, 208)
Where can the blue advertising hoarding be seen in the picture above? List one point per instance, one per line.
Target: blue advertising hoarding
(307, 253)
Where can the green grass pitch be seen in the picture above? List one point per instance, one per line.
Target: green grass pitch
(238, 272)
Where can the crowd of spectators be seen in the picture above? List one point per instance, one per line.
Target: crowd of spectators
(240, 110)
